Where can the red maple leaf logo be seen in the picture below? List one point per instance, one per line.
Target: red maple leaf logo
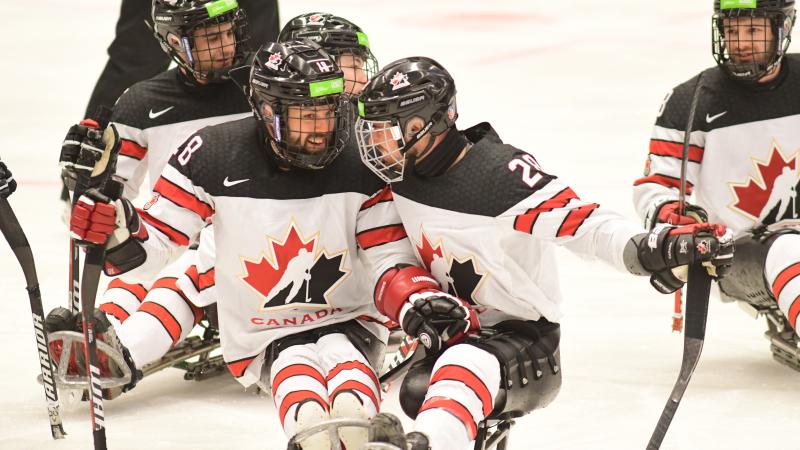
(265, 274)
(752, 196)
(426, 251)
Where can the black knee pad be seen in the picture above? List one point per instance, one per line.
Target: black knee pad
(745, 281)
(530, 368)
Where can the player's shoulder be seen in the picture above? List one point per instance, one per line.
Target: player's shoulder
(145, 101)
(677, 103)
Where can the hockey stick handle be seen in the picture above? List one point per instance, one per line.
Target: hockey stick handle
(12, 230)
(687, 136)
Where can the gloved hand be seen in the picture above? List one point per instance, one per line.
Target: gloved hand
(7, 183)
(95, 219)
(667, 249)
(438, 319)
(668, 212)
(87, 135)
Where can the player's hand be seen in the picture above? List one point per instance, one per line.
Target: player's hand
(86, 136)
(668, 249)
(7, 183)
(95, 219)
(438, 319)
(669, 212)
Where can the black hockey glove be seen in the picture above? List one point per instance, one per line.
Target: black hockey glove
(667, 247)
(437, 319)
(86, 136)
(7, 183)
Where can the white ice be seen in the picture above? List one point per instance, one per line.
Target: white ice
(578, 82)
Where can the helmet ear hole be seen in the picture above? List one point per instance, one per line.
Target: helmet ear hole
(174, 41)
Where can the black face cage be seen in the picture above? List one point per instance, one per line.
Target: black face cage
(308, 134)
(207, 52)
(750, 43)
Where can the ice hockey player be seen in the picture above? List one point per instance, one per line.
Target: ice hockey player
(206, 39)
(743, 161)
(491, 212)
(7, 183)
(290, 187)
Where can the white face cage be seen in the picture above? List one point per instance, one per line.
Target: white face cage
(382, 147)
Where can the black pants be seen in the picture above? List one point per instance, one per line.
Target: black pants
(136, 55)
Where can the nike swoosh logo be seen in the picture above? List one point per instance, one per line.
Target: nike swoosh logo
(227, 183)
(156, 114)
(710, 119)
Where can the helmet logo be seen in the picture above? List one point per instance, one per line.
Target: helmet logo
(316, 19)
(451, 112)
(274, 61)
(324, 66)
(399, 80)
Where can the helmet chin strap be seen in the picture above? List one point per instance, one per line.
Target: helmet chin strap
(438, 160)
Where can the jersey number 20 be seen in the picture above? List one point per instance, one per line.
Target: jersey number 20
(530, 169)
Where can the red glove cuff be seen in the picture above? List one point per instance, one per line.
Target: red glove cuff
(397, 284)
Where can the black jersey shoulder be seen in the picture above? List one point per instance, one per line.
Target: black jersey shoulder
(724, 102)
(236, 150)
(485, 182)
(167, 99)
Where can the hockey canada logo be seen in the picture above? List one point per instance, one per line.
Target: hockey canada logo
(399, 80)
(459, 277)
(770, 195)
(295, 272)
(316, 19)
(274, 61)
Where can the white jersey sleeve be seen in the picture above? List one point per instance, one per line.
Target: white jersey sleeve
(380, 233)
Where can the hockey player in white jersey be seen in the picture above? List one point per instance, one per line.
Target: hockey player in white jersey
(297, 186)
(494, 215)
(205, 39)
(743, 166)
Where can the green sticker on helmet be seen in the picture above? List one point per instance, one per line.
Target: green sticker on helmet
(363, 40)
(327, 87)
(361, 108)
(220, 7)
(738, 4)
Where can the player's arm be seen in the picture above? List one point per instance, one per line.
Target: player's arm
(656, 193)
(198, 281)
(405, 292)
(128, 118)
(142, 242)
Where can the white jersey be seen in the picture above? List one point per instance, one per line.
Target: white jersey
(745, 147)
(487, 229)
(336, 229)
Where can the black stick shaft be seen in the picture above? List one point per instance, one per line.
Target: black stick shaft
(16, 238)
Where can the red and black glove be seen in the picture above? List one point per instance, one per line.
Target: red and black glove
(669, 212)
(668, 247)
(411, 296)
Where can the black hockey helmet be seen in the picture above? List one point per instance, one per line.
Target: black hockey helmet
(342, 39)
(300, 85)
(207, 38)
(403, 90)
(740, 43)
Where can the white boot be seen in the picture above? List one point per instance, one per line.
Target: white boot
(347, 405)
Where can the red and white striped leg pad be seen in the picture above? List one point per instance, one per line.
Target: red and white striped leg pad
(783, 274)
(121, 300)
(464, 384)
(295, 379)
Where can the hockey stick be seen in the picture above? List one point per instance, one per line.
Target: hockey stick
(699, 288)
(15, 236)
(102, 160)
(699, 285)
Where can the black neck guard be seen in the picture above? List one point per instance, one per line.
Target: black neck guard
(440, 158)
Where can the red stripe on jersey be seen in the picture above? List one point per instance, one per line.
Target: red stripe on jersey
(237, 368)
(794, 311)
(132, 149)
(296, 370)
(194, 277)
(173, 234)
(355, 365)
(466, 376)
(358, 386)
(115, 310)
(675, 150)
(385, 195)
(786, 275)
(183, 198)
(206, 279)
(136, 289)
(298, 397)
(171, 283)
(165, 318)
(575, 219)
(379, 236)
(665, 180)
(525, 222)
(453, 407)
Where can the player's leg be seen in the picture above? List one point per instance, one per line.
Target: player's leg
(353, 387)
(782, 271)
(121, 300)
